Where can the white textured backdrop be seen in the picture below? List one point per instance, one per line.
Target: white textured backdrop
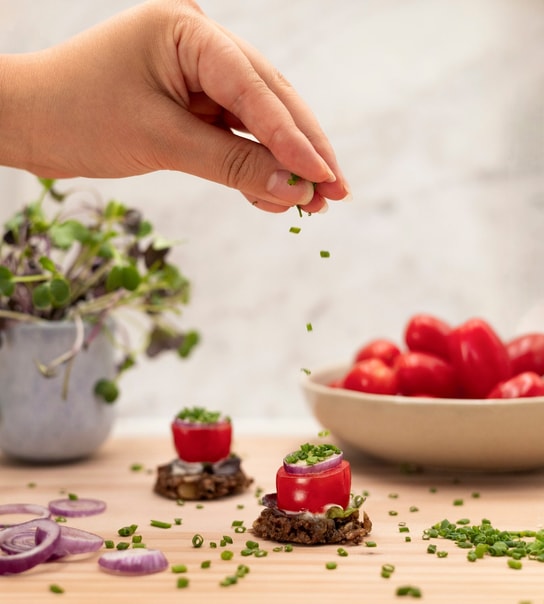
(436, 110)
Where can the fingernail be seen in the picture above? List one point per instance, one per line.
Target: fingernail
(290, 188)
(324, 208)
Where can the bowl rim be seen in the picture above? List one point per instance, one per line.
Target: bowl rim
(317, 379)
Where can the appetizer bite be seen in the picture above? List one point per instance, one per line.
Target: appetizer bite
(205, 467)
(313, 503)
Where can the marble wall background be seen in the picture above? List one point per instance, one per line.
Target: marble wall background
(436, 110)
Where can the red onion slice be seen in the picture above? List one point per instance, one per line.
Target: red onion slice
(302, 467)
(72, 508)
(24, 560)
(133, 561)
(72, 541)
(24, 508)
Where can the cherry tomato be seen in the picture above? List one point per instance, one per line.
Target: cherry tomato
(425, 333)
(199, 442)
(385, 350)
(526, 353)
(419, 373)
(371, 375)
(524, 384)
(479, 357)
(313, 492)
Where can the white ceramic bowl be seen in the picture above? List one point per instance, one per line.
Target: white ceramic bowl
(484, 435)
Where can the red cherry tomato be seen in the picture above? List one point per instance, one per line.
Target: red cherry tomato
(420, 373)
(371, 375)
(385, 350)
(205, 443)
(313, 492)
(526, 353)
(425, 333)
(479, 357)
(521, 385)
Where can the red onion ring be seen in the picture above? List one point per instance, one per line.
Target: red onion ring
(24, 560)
(322, 466)
(72, 508)
(72, 541)
(24, 508)
(133, 561)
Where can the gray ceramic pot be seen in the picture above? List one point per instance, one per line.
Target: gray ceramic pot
(36, 423)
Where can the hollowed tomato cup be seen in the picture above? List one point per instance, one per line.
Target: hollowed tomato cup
(199, 442)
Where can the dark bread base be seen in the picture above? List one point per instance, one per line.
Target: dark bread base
(204, 485)
(317, 530)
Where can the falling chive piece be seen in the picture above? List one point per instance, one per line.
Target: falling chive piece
(295, 230)
(325, 254)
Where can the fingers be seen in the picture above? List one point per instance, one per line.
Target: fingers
(266, 106)
(302, 116)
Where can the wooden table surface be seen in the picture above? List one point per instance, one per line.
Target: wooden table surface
(400, 504)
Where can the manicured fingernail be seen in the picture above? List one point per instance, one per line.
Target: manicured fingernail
(289, 187)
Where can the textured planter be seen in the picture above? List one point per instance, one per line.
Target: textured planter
(36, 423)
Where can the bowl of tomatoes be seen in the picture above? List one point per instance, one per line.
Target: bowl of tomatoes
(457, 397)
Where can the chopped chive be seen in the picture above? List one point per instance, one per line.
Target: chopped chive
(180, 502)
(136, 467)
(261, 553)
(72, 497)
(31, 485)
(324, 254)
(177, 521)
(56, 589)
(60, 519)
(458, 502)
(409, 590)
(136, 539)
(227, 581)
(199, 506)
(237, 523)
(295, 230)
(126, 531)
(240, 529)
(109, 544)
(371, 543)
(393, 513)
(413, 508)
(197, 540)
(323, 433)
(161, 524)
(240, 506)
(309, 327)
(330, 565)
(515, 564)
(182, 582)
(205, 564)
(227, 555)
(179, 568)
(288, 548)
(123, 545)
(342, 552)
(305, 370)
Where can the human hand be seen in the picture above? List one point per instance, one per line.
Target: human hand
(162, 87)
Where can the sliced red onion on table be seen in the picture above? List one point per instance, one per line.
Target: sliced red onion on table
(302, 467)
(72, 508)
(133, 561)
(72, 541)
(24, 508)
(24, 560)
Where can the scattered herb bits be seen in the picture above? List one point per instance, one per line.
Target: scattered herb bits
(325, 254)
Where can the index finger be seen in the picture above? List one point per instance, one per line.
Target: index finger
(228, 76)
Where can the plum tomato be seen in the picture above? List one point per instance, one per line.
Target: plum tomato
(423, 374)
(521, 385)
(526, 353)
(202, 442)
(479, 357)
(385, 350)
(314, 492)
(425, 333)
(371, 375)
